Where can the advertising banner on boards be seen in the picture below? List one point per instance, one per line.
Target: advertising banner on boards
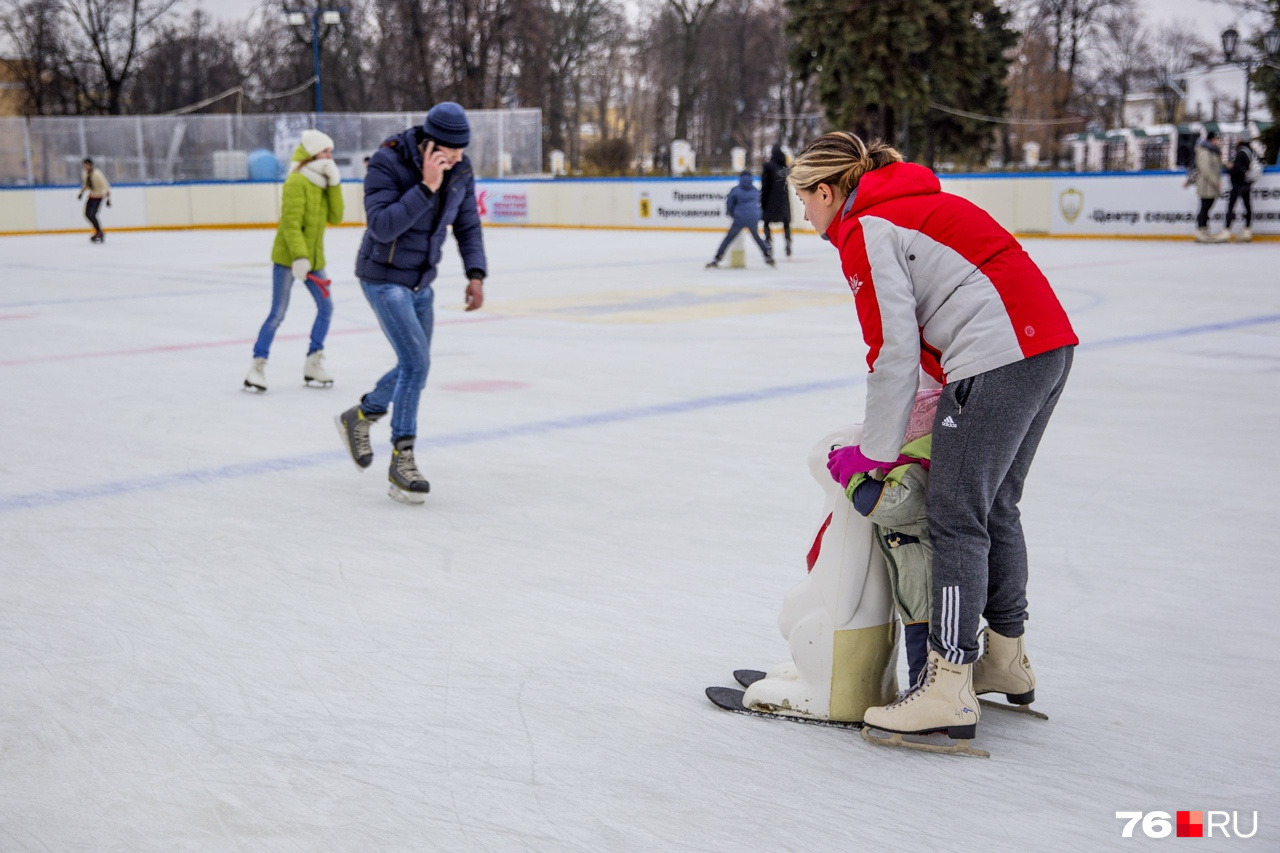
(501, 202)
(1151, 205)
(683, 204)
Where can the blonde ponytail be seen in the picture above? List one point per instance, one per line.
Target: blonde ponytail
(839, 159)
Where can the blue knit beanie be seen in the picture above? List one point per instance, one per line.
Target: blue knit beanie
(447, 124)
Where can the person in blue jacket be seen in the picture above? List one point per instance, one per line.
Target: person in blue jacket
(743, 204)
(418, 184)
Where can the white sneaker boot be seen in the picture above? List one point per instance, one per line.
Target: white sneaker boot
(1223, 236)
(1202, 235)
(256, 379)
(1004, 668)
(1246, 235)
(943, 701)
(313, 370)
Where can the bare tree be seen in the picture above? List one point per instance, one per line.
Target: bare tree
(104, 42)
(1176, 47)
(35, 29)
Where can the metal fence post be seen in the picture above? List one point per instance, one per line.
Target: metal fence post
(84, 144)
(26, 150)
(142, 151)
(502, 143)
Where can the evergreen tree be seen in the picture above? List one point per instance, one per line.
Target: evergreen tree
(882, 69)
(1266, 78)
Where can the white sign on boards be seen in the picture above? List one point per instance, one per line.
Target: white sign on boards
(1155, 205)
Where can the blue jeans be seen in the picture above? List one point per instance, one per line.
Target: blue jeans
(281, 284)
(741, 225)
(406, 318)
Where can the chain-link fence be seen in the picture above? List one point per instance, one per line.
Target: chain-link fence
(160, 149)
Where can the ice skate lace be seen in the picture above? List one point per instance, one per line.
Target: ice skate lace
(909, 695)
(405, 466)
(360, 434)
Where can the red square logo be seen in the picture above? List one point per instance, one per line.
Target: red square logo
(1191, 824)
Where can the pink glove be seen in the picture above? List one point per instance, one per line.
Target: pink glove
(845, 462)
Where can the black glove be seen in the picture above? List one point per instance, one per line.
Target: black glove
(108, 202)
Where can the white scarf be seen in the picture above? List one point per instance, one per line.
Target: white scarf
(314, 172)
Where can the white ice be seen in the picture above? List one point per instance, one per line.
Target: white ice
(217, 635)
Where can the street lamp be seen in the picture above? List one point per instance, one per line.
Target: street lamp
(1231, 40)
(298, 18)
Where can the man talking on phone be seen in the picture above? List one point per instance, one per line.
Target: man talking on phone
(418, 183)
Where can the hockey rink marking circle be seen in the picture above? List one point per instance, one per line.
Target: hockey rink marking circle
(34, 500)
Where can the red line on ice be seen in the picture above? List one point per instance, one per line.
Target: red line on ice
(209, 344)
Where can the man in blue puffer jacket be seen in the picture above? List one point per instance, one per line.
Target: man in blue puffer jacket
(417, 185)
(743, 204)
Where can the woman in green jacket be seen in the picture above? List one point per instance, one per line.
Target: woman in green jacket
(312, 198)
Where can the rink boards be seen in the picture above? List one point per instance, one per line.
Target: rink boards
(1053, 204)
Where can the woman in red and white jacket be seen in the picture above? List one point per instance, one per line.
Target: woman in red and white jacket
(940, 286)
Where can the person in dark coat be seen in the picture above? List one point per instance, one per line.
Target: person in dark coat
(775, 200)
(1240, 188)
(743, 204)
(418, 184)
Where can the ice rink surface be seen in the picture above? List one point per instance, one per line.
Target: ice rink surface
(216, 634)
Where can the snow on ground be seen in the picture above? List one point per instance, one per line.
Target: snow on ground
(217, 634)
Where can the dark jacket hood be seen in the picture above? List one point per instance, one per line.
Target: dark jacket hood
(777, 156)
(744, 181)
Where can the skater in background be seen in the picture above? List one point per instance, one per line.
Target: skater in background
(743, 204)
(1002, 346)
(894, 501)
(95, 184)
(1245, 169)
(419, 184)
(312, 199)
(1206, 174)
(775, 198)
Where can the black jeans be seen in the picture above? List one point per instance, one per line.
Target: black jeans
(1240, 191)
(1202, 218)
(91, 213)
(786, 232)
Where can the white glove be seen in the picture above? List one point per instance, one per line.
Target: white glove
(330, 170)
(301, 267)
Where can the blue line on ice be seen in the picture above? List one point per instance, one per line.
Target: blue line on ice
(33, 500)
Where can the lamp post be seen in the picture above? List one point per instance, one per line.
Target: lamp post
(298, 18)
(1231, 40)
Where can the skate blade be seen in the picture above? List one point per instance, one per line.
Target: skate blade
(1025, 710)
(306, 382)
(731, 700)
(258, 389)
(959, 747)
(410, 498)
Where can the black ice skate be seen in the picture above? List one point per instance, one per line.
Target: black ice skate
(714, 265)
(407, 484)
(353, 426)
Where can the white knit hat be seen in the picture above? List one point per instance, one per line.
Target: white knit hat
(313, 141)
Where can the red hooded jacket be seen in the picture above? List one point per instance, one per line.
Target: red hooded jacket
(938, 284)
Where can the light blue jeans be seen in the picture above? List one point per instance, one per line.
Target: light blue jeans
(406, 318)
(281, 285)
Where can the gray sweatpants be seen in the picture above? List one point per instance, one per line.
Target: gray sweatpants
(984, 437)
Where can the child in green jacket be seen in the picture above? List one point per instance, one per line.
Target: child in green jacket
(895, 504)
(312, 198)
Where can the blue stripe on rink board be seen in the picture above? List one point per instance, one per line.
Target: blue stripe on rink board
(33, 500)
